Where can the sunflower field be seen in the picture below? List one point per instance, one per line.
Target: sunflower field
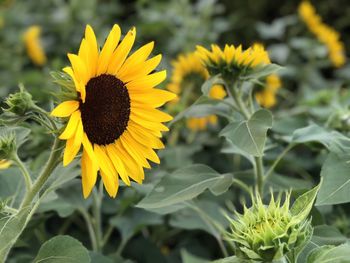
(174, 131)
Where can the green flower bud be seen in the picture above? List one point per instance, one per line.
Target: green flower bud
(7, 145)
(267, 233)
(19, 103)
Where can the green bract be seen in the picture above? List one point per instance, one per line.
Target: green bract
(7, 144)
(267, 233)
(19, 103)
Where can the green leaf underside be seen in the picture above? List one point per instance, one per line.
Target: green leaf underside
(62, 249)
(250, 136)
(182, 185)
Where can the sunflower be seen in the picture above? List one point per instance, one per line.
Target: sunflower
(267, 96)
(114, 115)
(34, 48)
(324, 33)
(232, 59)
(187, 77)
(4, 164)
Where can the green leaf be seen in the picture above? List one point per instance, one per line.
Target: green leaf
(182, 185)
(10, 229)
(250, 136)
(261, 72)
(62, 249)
(232, 259)
(327, 235)
(303, 204)
(336, 181)
(326, 254)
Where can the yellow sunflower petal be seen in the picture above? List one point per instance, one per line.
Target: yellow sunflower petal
(71, 126)
(70, 151)
(118, 164)
(144, 137)
(104, 162)
(111, 183)
(130, 147)
(141, 69)
(92, 48)
(65, 109)
(121, 52)
(148, 81)
(79, 68)
(154, 97)
(107, 50)
(88, 174)
(135, 59)
(148, 124)
(151, 114)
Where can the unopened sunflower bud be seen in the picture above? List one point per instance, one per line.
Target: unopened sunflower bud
(7, 145)
(19, 103)
(267, 233)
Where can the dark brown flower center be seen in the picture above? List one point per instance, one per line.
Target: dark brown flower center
(105, 113)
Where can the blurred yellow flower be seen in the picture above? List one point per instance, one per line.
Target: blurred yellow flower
(114, 115)
(267, 96)
(188, 69)
(200, 124)
(34, 48)
(4, 164)
(324, 33)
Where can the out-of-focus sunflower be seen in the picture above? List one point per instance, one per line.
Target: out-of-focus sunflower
(4, 164)
(187, 78)
(33, 45)
(232, 60)
(115, 115)
(324, 33)
(266, 97)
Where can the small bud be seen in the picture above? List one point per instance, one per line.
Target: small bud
(267, 233)
(19, 103)
(7, 145)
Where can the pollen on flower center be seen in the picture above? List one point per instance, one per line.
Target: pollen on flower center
(105, 113)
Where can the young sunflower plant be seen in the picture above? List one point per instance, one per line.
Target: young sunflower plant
(108, 112)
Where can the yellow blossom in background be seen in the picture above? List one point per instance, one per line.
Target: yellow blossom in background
(33, 45)
(189, 72)
(4, 164)
(201, 124)
(324, 33)
(114, 116)
(233, 58)
(267, 96)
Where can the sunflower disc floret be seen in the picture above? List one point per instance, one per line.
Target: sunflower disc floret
(267, 233)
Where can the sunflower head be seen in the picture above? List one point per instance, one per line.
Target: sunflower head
(232, 61)
(20, 102)
(114, 116)
(33, 45)
(268, 232)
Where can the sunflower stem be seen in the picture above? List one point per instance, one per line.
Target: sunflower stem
(45, 174)
(24, 171)
(96, 209)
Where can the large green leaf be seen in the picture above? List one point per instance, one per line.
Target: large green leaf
(335, 188)
(326, 254)
(182, 185)
(62, 249)
(232, 259)
(261, 71)
(250, 135)
(189, 258)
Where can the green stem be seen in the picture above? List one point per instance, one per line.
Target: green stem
(25, 173)
(259, 172)
(90, 227)
(242, 185)
(96, 209)
(278, 159)
(44, 175)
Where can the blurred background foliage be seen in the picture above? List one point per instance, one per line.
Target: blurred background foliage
(312, 92)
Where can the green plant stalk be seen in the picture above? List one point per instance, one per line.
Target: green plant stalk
(45, 174)
(24, 171)
(96, 209)
(259, 166)
(34, 190)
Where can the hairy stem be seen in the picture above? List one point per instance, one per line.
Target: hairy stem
(24, 171)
